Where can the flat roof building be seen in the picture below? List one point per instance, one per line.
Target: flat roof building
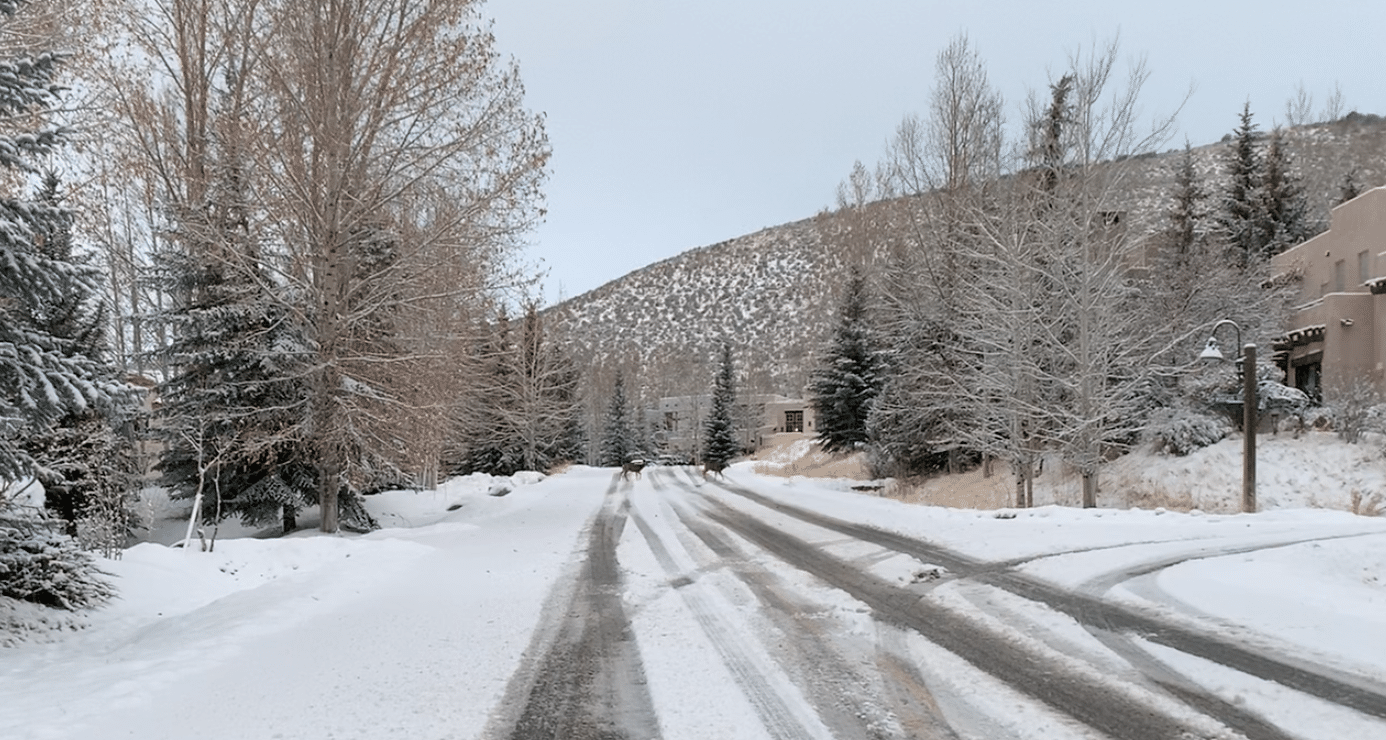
(1337, 333)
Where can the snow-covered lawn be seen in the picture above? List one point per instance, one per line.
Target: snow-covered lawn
(415, 630)
(298, 637)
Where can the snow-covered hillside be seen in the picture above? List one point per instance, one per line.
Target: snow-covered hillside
(773, 293)
(768, 293)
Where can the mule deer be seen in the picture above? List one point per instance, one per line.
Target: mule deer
(634, 466)
(716, 467)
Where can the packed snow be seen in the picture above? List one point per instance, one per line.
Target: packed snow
(416, 630)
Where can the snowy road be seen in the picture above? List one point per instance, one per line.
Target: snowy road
(750, 608)
(735, 614)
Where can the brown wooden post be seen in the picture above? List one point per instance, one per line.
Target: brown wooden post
(1249, 428)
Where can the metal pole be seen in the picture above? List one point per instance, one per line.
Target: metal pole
(1249, 428)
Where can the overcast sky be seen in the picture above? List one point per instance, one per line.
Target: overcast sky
(681, 123)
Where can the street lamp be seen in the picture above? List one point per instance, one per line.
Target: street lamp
(1248, 361)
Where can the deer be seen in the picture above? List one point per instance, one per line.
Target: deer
(715, 467)
(634, 466)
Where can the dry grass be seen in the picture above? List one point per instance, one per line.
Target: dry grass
(1367, 505)
(792, 459)
(1149, 497)
(560, 468)
(968, 490)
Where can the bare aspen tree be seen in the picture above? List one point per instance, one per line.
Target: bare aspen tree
(945, 162)
(364, 172)
(364, 104)
(1088, 355)
(1299, 109)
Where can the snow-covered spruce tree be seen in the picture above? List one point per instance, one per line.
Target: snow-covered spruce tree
(1239, 219)
(42, 565)
(918, 422)
(620, 443)
(1263, 210)
(720, 443)
(85, 459)
(1282, 200)
(850, 374)
(546, 408)
(486, 442)
(523, 415)
(43, 376)
(232, 395)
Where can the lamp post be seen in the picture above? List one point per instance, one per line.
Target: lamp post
(1248, 360)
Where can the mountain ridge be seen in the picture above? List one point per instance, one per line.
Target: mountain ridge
(772, 293)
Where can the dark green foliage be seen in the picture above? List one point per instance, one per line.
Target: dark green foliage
(485, 428)
(1186, 214)
(233, 402)
(1348, 187)
(51, 375)
(1238, 217)
(851, 374)
(47, 317)
(1263, 210)
(620, 443)
(1048, 148)
(85, 459)
(903, 433)
(720, 444)
(525, 416)
(90, 475)
(1284, 207)
(41, 565)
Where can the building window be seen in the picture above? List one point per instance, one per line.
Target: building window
(1339, 276)
(794, 421)
(1364, 266)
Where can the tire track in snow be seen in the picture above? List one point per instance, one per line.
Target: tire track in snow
(910, 703)
(590, 685)
(1084, 698)
(1355, 692)
(784, 715)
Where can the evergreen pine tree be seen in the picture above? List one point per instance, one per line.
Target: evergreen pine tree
(846, 384)
(1348, 187)
(1186, 212)
(1264, 210)
(488, 445)
(619, 443)
(44, 376)
(85, 459)
(1283, 204)
(1240, 219)
(546, 406)
(720, 442)
(234, 394)
(525, 416)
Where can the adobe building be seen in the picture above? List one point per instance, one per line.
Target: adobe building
(763, 419)
(1337, 333)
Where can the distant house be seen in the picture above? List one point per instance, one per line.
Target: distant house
(1337, 333)
(677, 421)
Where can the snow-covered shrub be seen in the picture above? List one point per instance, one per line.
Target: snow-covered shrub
(22, 621)
(1356, 410)
(1179, 431)
(1220, 390)
(40, 564)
